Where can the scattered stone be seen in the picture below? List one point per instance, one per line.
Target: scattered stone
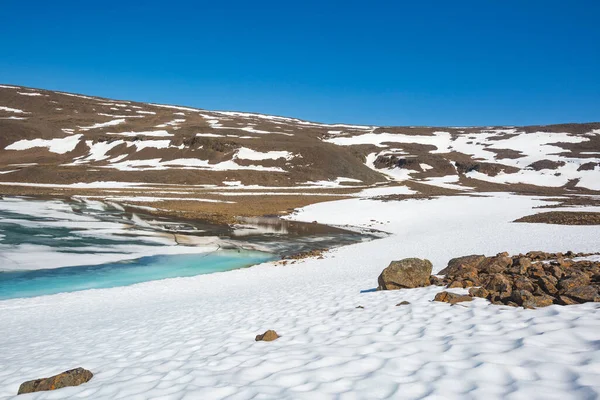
(359, 307)
(318, 253)
(268, 336)
(72, 377)
(403, 303)
(452, 298)
(406, 273)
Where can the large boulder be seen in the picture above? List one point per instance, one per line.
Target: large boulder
(407, 273)
(73, 377)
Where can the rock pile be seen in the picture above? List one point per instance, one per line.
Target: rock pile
(535, 279)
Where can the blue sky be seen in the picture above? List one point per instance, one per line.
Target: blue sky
(464, 62)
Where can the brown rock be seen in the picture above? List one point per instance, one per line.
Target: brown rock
(467, 261)
(574, 280)
(520, 266)
(403, 303)
(434, 280)
(583, 294)
(499, 286)
(543, 300)
(73, 377)
(567, 301)
(455, 284)
(548, 284)
(537, 255)
(523, 283)
(479, 292)
(556, 271)
(268, 336)
(494, 265)
(536, 270)
(452, 298)
(407, 273)
(466, 272)
(523, 298)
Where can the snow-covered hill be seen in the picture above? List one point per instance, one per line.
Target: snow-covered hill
(61, 138)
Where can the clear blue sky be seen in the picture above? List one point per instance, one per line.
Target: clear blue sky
(471, 62)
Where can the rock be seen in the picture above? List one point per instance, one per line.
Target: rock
(537, 255)
(437, 281)
(574, 280)
(455, 284)
(407, 273)
(556, 271)
(536, 270)
(520, 266)
(548, 284)
(543, 300)
(467, 261)
(268, 336)
(499, 286)
(479, 292)
(523, 283)
(452, 298)
(359, 307)
(403, 303)
(73, 377)
(567, 301)
(523, 298)
(583, 294)
(467, 272)
(496, 264)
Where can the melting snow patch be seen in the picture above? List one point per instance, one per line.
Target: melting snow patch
(249, 154)
(13, 110)
(159, 133)
(59, 146)
(102, 124)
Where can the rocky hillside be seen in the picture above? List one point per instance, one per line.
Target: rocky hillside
(51, 137)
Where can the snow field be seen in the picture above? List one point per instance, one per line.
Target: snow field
(193, 337)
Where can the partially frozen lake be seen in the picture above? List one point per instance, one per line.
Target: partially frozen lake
(16, 284)
(55, 246)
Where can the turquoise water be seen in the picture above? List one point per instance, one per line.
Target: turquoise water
(19, 284)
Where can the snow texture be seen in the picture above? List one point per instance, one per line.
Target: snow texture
(191, 338)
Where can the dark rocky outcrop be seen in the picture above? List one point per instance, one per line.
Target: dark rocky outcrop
(73, 377)
(406, 273)
(545, 164)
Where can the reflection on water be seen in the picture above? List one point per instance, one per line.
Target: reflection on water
(54, 246)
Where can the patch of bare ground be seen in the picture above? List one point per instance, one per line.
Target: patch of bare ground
(523, 188)
(563, 218)
(571, 201)
(506, 153)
